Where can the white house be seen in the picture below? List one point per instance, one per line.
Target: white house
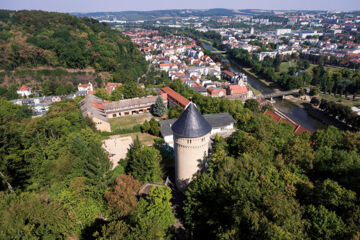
(85, 87)
(24, 91)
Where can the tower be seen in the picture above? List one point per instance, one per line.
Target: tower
(252, 31)
(191, 143)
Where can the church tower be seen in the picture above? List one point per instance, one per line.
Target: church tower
(191, 144)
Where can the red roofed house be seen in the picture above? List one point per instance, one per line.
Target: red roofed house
(216, 92)
(227, 75)
(165, 66)
(237, 90)
(241, 91)
(174, 98)
(111, 86)
(24, 91)
(85, 87)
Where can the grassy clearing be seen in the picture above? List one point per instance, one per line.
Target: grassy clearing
(342, 100)
(144, 138)
(127, 122)
(255, 91)
(284, 66)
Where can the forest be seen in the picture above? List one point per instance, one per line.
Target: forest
(30, 39)
(265, 181)
(57, 181)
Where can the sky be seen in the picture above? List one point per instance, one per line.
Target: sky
(145, 5)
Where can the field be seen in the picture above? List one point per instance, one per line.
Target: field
(284, 67)
(128, 122)
(144, 138)
(341, 100)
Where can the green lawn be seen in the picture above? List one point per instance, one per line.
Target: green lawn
(284, 66)
(341, 100)
(144, 138)
(128, 122)
(255, 91)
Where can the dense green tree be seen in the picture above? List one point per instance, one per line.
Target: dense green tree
(324, 224)
(252, 104)
(30, 217)
(102, 93)
(174, 112)
(159, 108)
(144, 164)
(145, 127)
(154, 127)
(153, 216)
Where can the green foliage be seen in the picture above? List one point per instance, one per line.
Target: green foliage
(154, 127)
(126, 91)
(144, 164)
(60, 40)
(29, 216)
(175, 112)
(81, 201)
(159, 108)
(151, 127)
(153, 216)
(145, 127)
(324, 224)
(252, 104)
(341, 112)
(102, 93)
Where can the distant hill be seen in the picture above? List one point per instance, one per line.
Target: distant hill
(174, 13)
(37, 39)
(156, 14)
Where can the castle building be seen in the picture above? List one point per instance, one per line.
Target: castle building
(191, 144)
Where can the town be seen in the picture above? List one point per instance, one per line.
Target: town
(179, 124)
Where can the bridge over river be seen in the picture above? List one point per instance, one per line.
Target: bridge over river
(218, 52)
(278, 94)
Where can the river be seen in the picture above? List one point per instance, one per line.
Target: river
(289, 109)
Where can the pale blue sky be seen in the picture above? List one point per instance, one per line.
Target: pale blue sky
(122, 5)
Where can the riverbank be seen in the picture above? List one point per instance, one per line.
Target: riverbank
(292, 110)
(325, 118)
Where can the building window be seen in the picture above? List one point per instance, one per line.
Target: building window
(114, 115)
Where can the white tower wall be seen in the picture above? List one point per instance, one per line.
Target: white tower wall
(190, 156)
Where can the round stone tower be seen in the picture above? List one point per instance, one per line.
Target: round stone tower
(191, 144)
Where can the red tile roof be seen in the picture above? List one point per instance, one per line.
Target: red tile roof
(175, 97)
(237, 89)
(228, 73)
(84, 85)
(24, 88)
(297, 128)
(97, 105)
(215, 91)
(274, 116)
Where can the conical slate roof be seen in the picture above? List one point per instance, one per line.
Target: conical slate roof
(191, 123)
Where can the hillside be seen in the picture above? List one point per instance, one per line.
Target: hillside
(37, 40)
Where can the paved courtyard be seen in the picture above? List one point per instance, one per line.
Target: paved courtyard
(117, 148)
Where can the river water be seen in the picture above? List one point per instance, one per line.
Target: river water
(291, 110)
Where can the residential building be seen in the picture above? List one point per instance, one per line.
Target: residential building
(85, 87)
(24, 91)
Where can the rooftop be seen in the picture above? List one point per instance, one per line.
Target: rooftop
(216, 120)
(191, 123)
(174, 95)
